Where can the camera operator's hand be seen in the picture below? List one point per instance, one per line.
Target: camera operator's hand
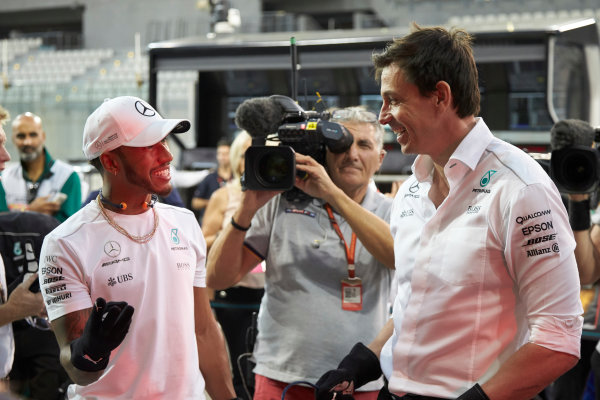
(578, 196)
(104, 331)
(317, 182)
(252, 200)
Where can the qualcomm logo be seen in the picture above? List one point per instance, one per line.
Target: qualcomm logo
(174, 237)
(485, 179)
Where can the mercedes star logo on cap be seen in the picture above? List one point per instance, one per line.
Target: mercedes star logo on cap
(145, 110)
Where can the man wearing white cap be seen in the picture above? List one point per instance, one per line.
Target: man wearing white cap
(123, 279)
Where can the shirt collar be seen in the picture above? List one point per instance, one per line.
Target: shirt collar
(471, 148)
(369, 201)
(468, 152)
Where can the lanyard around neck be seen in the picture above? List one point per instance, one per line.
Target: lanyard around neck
(349, 251)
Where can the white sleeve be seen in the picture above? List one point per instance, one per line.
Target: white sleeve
(62, 282)
(540, 259)
(199, 246)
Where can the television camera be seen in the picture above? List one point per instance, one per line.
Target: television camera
(279, 119)
(574, 164)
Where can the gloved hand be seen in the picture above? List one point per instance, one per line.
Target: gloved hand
(360, 366)
(475, 393)
(104, 330)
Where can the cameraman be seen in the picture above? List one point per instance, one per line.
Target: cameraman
(310, 249)
(565, 134)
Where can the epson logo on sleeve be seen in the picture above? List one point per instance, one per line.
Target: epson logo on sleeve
(544, 226)
(51, 270)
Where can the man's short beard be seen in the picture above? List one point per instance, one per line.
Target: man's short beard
(28, 157)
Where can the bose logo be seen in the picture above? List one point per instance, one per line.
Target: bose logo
(540, 239)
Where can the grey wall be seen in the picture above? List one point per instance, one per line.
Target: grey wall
(113, 23)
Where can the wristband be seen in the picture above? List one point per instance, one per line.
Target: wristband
(238, 226)
(579, 215)
(475, 393)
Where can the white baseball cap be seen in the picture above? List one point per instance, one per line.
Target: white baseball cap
(126, 121)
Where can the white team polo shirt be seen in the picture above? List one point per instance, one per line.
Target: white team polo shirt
(86, 258)
(488, 270)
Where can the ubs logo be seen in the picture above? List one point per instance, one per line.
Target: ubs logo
(112, 248)
(145, 110)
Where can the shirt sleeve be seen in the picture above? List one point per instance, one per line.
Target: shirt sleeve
(540, 259)
(3, 204)
(72, 188)
(62, 283)
(258, 236)
(199, 246)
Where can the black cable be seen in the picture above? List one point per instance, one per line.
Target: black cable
(305, 383)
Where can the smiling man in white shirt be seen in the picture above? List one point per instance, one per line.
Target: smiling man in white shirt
(489, 301)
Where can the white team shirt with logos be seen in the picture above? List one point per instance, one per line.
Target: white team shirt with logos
(487, 271)
(86, 258)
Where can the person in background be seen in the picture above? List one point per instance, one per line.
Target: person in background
(234, 307)
(124, 278)
(488, 305)
(22, 302)
(38, 183)
(586, 230)
(214, 180)
(327, 260)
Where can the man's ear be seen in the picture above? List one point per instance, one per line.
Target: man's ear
(443, 94)
(382, 154)
(109, 162)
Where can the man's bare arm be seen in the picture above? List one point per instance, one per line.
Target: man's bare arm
(212, 355)
(66, 329)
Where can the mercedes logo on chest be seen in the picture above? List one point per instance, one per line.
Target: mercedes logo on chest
(112, 248)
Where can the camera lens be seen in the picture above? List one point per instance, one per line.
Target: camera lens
(273, 168)
(575, 169)
(578, 170)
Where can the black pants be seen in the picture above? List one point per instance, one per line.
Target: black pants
(235, 309)
(36, 372)
(571, 385)
(384, 394)
(596, 372)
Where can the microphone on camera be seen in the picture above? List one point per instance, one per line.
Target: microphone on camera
(259, 116)
(571, 132)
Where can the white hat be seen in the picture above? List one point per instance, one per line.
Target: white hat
(126, 121)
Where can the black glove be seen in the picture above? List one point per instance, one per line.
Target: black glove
(104, 330)
(360, 366)
(475, 393)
